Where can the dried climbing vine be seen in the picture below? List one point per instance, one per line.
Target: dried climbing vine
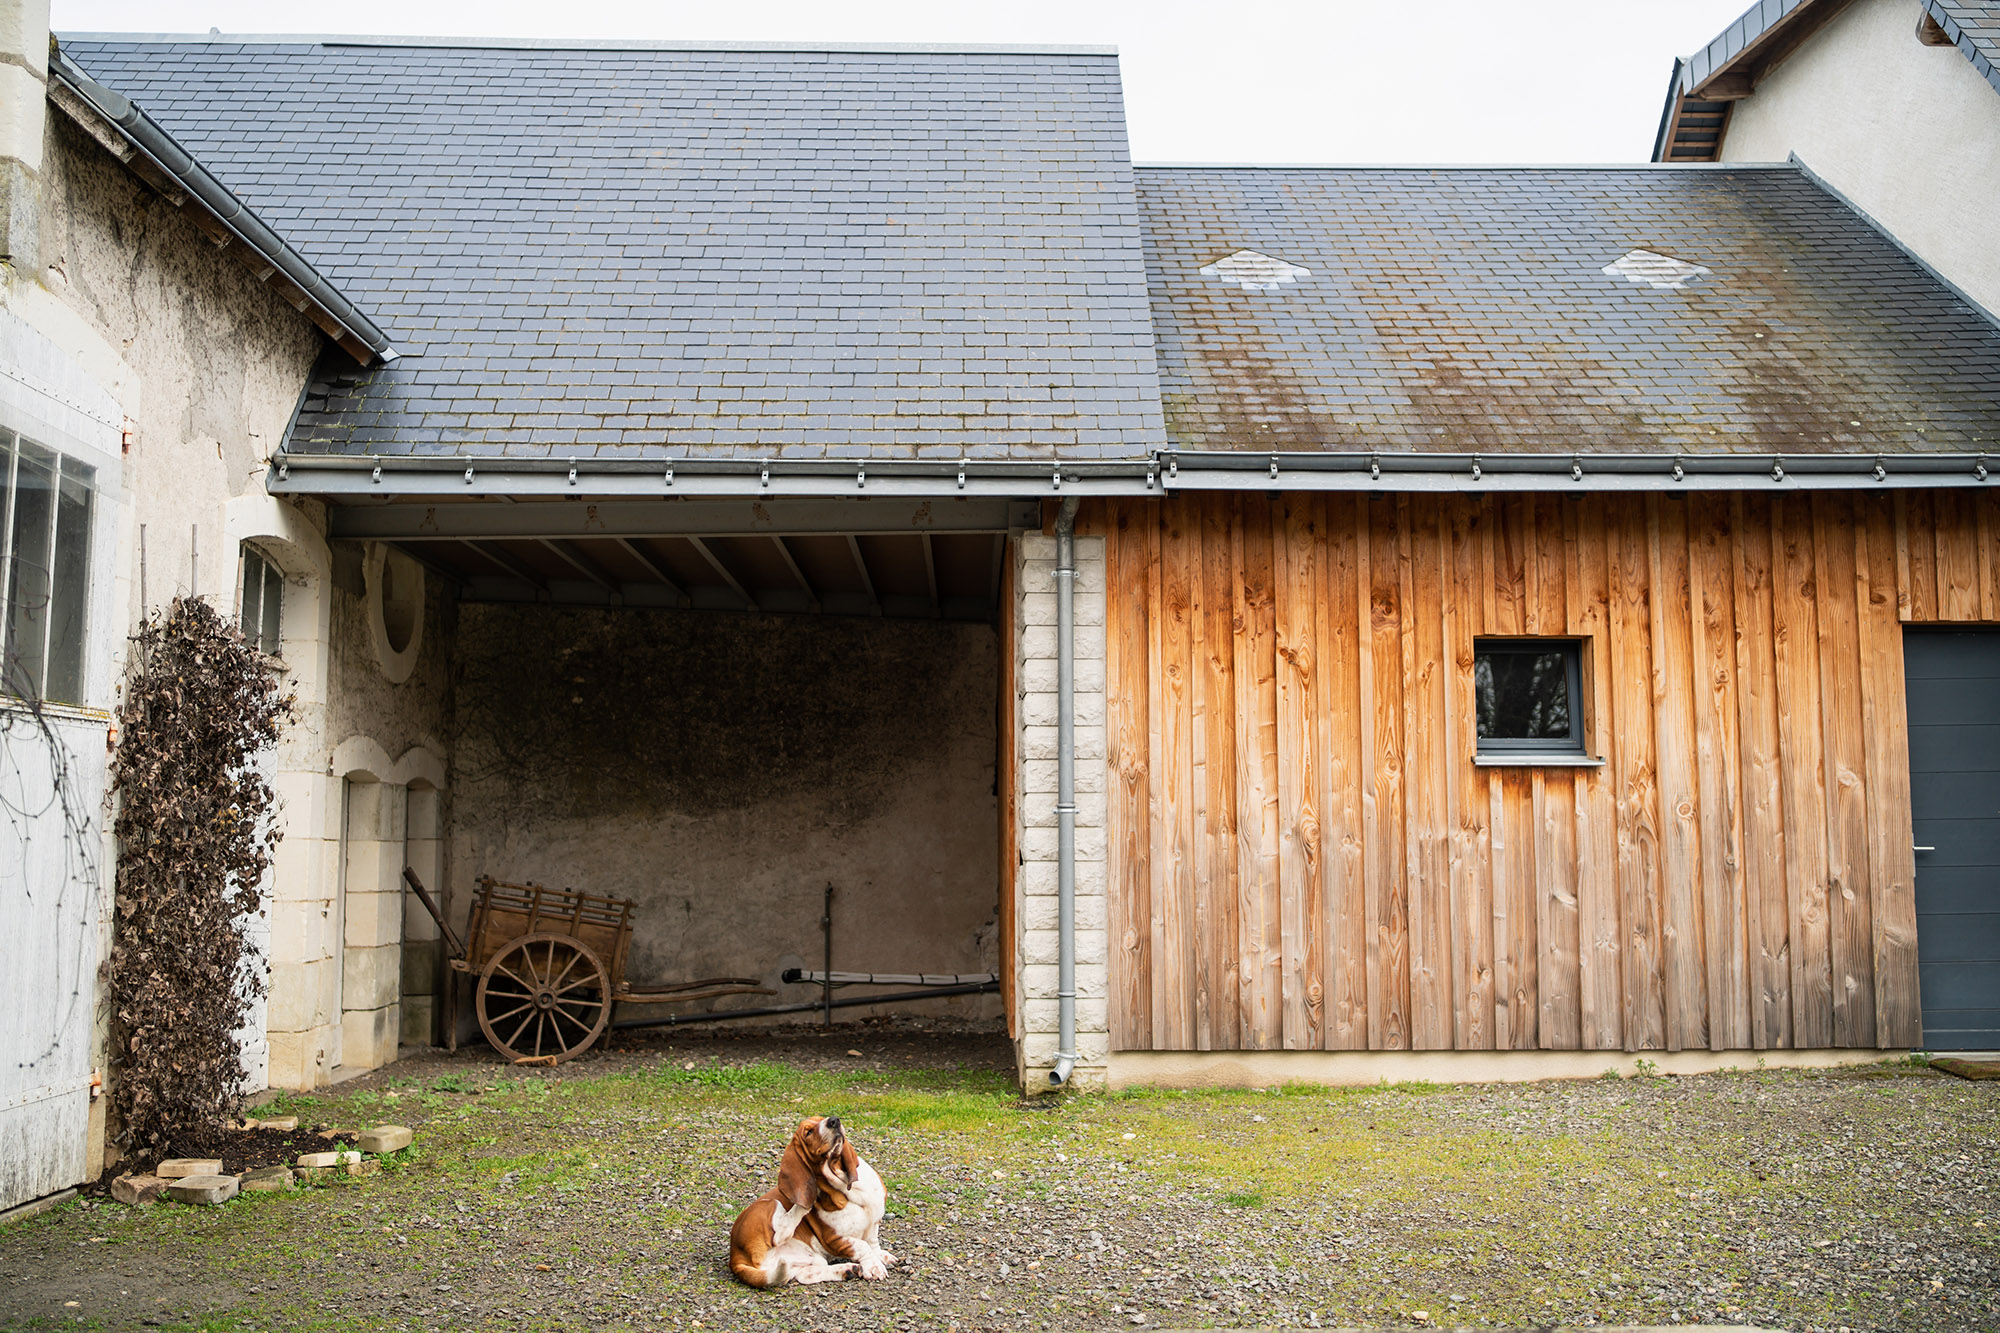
(195, 832)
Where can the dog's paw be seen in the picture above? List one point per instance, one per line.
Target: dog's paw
(887, 1258)
(874, 1270)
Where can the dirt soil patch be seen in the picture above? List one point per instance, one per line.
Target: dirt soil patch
(238, 1149)
(598, 1195)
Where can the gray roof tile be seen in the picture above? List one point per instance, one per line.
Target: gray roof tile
(549, 232)
(1465, 309)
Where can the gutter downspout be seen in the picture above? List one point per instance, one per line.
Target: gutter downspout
(1065, 791)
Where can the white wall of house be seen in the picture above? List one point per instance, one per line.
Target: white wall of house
(1910, 133)
(1037, 921)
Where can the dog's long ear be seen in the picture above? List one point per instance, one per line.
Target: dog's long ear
(850, 1161)
(798, 1183)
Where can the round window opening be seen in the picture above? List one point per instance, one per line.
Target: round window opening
(396, 610)
(402, 600)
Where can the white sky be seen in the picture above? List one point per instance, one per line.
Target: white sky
(1259, 81)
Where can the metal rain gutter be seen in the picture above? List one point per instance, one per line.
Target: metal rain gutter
(448, 476)
(1065, 792)
(165, 153)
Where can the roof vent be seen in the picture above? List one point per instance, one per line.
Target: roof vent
(1254, 272)
(1649, 268)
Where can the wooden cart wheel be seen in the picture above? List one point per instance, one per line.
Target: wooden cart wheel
(544, 995)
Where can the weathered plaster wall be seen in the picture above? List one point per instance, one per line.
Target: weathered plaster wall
(721, 770)
(388, 957)
(1910, 133)
(204, 366)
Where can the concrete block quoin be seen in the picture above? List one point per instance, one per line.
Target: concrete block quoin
(1034, 781)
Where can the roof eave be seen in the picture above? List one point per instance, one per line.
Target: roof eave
(457, 477)
(163, 163)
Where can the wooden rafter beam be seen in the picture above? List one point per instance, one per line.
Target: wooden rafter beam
(784, 551)
(488, 550)
(930, 575)
(576, 561)
(654, 568)
(867, 579)
(722, 571)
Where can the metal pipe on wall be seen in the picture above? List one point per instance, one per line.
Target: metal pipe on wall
(1065, 792)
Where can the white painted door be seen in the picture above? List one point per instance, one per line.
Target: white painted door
(51, 913)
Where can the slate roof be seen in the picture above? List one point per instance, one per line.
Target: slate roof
(1465, 309)
(643, 252)
(1974, 28)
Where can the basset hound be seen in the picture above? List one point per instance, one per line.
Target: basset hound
(821, 1222)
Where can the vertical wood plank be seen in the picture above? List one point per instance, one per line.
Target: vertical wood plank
(1431, 1023)
(1986, 553)
(1795, 646)
(1682, 969)
(1850, 935)
(1382, 797)
(1202, 799)
(1507, 575)
(1257, 754)
(1173, 881)
(1891, 862)
(1588, 584)
(1917, 553)
(1767, 886)
(1711, 555)
(1296, 545)
(1644, 1018)
(1218, 996)
(1343, 723)
(1958, 562)
(1559, 1025)
(1902, 539)
(1519, 975)
(1431, 881)
(1467, 804)
(1132, 559)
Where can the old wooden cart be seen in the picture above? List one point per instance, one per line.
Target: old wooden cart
(550, 965)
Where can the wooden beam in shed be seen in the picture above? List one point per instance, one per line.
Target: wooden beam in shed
(582, 566)
(487, 549)
(722, 571)
(930, 575)
(1930, 33)
(785, 553)
(654, 568)
(867, 579)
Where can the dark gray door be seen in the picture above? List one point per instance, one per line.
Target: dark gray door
(1954, 689)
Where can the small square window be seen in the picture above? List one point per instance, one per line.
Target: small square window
(1528, 697)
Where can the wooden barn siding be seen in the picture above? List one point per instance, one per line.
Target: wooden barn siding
(1304, 856)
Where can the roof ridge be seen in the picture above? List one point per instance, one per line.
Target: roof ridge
(482, 43)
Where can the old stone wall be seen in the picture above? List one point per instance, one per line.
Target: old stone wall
(721, 770)
(202, 366)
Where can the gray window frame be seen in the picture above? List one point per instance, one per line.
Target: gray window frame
(1573, 748)
(267, 634)
(17, 672)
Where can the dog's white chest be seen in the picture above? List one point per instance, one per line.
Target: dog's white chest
(866, 1198)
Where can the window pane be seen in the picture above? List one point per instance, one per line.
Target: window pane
(248, 615)
(273, 605)
(28, 568)
(69, 600)
(1523, 694)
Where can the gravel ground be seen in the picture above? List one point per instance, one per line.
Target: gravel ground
(598, 1195)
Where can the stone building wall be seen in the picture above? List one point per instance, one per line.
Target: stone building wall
(1035, 676)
